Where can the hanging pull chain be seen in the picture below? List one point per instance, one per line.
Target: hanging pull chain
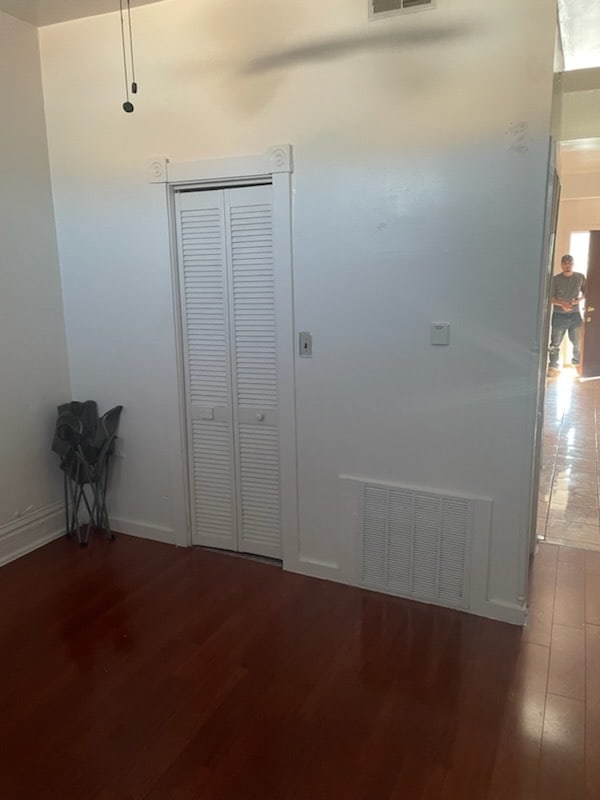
(127, 105)
(134, 86)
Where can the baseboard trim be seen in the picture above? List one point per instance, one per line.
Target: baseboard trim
(130, 527)
(315, 568)
(500, 610)
(31, 531)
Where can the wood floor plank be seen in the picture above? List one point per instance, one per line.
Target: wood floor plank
(592, 713)
(572, 556)
(562, 763)
(566, 675)
(517, 765)
(516, 768)
(542, 592)
(569, 602)
(592, 587)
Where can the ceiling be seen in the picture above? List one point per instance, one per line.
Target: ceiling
(47, 12)
(579, 22)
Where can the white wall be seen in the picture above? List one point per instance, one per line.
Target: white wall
(33, 356)
(580, 114)
(580, 185)
(580, 104)
(418, 196)
(575, 214)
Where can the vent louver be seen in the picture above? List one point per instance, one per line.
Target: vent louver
(416, 544)
(386, 7)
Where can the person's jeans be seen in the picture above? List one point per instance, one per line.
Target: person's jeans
(565, 323)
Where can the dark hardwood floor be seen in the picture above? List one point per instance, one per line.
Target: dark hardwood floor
(138, 670)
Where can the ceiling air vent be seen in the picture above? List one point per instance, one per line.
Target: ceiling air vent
(385, 8)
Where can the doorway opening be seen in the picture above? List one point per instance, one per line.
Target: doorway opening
(568, 510)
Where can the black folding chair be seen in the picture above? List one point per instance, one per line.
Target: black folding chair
(85, 444)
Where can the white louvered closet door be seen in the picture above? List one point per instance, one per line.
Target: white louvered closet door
(205, 321)
(229, 327)
(249, 223)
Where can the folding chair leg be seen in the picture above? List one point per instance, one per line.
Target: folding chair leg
(99, 510)
(68, 531)
(104, 479)
(89, 509)
(74, 521)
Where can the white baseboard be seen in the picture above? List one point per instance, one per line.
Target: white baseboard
(315, 568)
(502, 611)
(32, 530)
(130, 527)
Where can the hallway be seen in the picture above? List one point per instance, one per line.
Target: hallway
(568, 510)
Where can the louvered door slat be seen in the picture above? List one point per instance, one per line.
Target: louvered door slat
(256, 386)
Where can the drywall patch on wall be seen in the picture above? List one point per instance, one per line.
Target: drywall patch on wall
(518, 135)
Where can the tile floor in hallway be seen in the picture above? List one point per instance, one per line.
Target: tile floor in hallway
(568, 508)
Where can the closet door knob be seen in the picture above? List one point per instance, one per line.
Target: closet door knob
(260, 417)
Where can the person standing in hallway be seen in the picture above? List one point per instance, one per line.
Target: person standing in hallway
(566, 289)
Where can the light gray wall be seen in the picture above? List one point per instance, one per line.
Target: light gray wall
(419, 185)
(33, 354)
(580, 104)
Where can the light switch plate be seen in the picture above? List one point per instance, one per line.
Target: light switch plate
(305, 344)
(440, 333)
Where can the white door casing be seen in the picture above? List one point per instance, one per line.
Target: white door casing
(260, 425)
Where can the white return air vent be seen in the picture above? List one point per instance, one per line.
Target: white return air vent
(416, 544)
(385, 8)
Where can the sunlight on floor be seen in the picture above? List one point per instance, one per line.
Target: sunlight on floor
(564, 386)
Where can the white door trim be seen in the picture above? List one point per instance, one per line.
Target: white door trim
(275, 166)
